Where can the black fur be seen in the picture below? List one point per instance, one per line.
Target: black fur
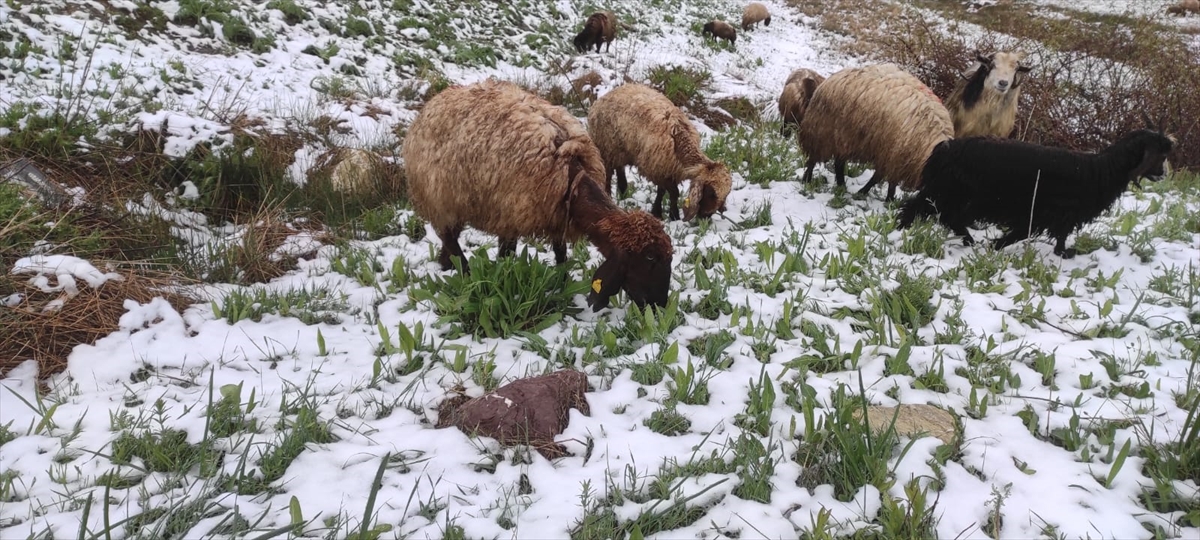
(592, 33)
(974, 88)
(998, 180)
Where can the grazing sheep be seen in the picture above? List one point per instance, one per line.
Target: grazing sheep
(720, 29)
(984, 102)
(1030, 189)
(636, 125)
(497, 158)
(793, 101)
(754, 14)
(599, 29)
(879, 114)
(1183, 7)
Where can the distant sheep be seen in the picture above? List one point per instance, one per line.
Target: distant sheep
(599, 29)
(497, 158)
(793, 101)
(878, 114)
(984, 103)
(1184, 6)
(720, 29)
(635, 124)
(1030, 189)
(754, 14)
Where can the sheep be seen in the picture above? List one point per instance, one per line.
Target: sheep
(1183, 7)
(599, 29)
(754, 14)
(793, 101)
(636, 125)
(502, 160)
(1027, 188)
(720, 29)
(879, 114)
(984, 102)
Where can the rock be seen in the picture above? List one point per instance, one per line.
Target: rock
(355, 171)
(527, 411)
(913, 420)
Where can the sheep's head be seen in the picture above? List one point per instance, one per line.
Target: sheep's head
(639, 262)
(711, 184)
(1004, 71)
(1156, 145)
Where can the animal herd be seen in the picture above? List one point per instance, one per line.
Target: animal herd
(498, 158)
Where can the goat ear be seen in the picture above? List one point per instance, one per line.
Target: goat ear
(607, 281)
(1146, 119)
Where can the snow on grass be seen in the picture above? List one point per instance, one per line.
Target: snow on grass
(287, 395)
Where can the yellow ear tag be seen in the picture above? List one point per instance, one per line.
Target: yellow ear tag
(596, 286)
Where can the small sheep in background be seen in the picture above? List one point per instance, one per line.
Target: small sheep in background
(793, 101)
(635, 124)
(719, 29)
(1183, 7)
(879, 114)
(502, 160)
(754, 14)
(984, 102)
(1030, 189)
(599, 29)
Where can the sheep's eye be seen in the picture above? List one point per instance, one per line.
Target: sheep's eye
(650, 258)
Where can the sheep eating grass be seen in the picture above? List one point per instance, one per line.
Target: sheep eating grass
(502, 160)
(1030, 189)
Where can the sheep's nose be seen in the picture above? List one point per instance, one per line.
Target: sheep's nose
(1002, 84)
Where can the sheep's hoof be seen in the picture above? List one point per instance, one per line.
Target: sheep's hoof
(1068, 253)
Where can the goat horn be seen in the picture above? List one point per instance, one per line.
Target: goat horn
(1146, 119)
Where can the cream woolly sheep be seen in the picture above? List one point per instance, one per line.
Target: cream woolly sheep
(754, 14)
(719, 29)
(879, 114)
(497, 158)
(636, 125)
(793, 101)
(984, 102)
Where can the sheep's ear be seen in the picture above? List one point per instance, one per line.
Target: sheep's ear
(691, 202)
(809, 85)
(607, 281)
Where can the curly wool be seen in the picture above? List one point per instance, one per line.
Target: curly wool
(879, 114)
(636, 232)
(754, 14)
(635, 124)
(460, 175)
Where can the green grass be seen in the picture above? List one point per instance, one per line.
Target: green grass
(757, 152)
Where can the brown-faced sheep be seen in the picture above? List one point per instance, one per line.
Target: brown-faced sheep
(599, 29)
(636, 125)
(878, 114)
(502, 160)
(793, 101)
(720, 29)
(984, 102)
(754, 14)
(1183, 7)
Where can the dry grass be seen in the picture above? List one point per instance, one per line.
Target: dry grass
(29, 331)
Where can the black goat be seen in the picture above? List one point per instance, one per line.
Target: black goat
(1030, 189)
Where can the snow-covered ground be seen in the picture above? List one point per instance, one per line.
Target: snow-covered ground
(1110, 321)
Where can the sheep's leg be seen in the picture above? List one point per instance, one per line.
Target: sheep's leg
(891, 192)
(450, 248)
(656, 208)
(560, 251)
(674, 191)
(1010, 238)
(622, 182)
(608, 176)
(808, 171)
(957, 227)
(1061, 249)
(871, 183)
(508, 246)
(839, 172)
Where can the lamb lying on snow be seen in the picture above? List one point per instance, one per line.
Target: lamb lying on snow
(1029, 189)
(507, 162)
